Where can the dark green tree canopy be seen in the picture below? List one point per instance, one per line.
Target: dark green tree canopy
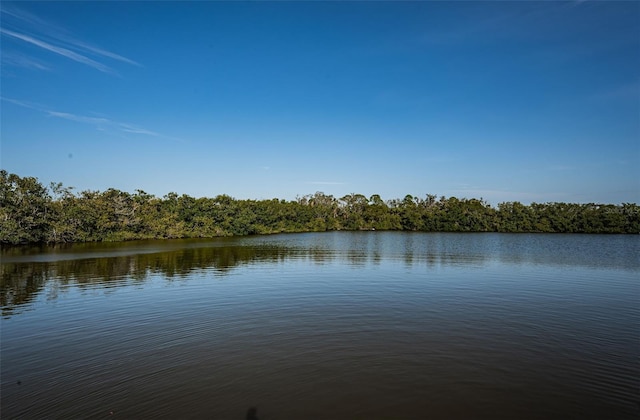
(30, 212)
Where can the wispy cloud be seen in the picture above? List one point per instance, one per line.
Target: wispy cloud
(24, 104)
(26, 27)
(61, 34)
(58, 50)
(100, 123)
(78, 118)
(104, 53)
(128, 128)
(27, 17)
(21, 60)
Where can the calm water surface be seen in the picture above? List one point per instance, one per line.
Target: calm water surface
(366, 325)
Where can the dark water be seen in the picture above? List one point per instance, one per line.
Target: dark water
(338, 325)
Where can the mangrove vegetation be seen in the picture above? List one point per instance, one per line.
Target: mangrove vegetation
(33, 213)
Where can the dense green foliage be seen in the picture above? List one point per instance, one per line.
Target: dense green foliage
(30, 212)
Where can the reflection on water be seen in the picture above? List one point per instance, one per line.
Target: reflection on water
(22, 280)
(25, 270)
(342, 325)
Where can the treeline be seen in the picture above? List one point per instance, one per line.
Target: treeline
(31, 212)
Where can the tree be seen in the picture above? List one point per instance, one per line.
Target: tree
(24, 209)
(29, 212)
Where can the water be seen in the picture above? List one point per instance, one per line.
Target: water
(342, 325)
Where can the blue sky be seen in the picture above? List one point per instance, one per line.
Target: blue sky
(508, 101)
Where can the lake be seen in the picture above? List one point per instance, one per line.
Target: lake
(337, 325)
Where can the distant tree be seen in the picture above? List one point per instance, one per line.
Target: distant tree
(30, 212)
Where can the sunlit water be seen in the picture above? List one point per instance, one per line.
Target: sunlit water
(366, 325)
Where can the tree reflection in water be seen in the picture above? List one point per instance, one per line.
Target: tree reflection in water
(21, 282)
